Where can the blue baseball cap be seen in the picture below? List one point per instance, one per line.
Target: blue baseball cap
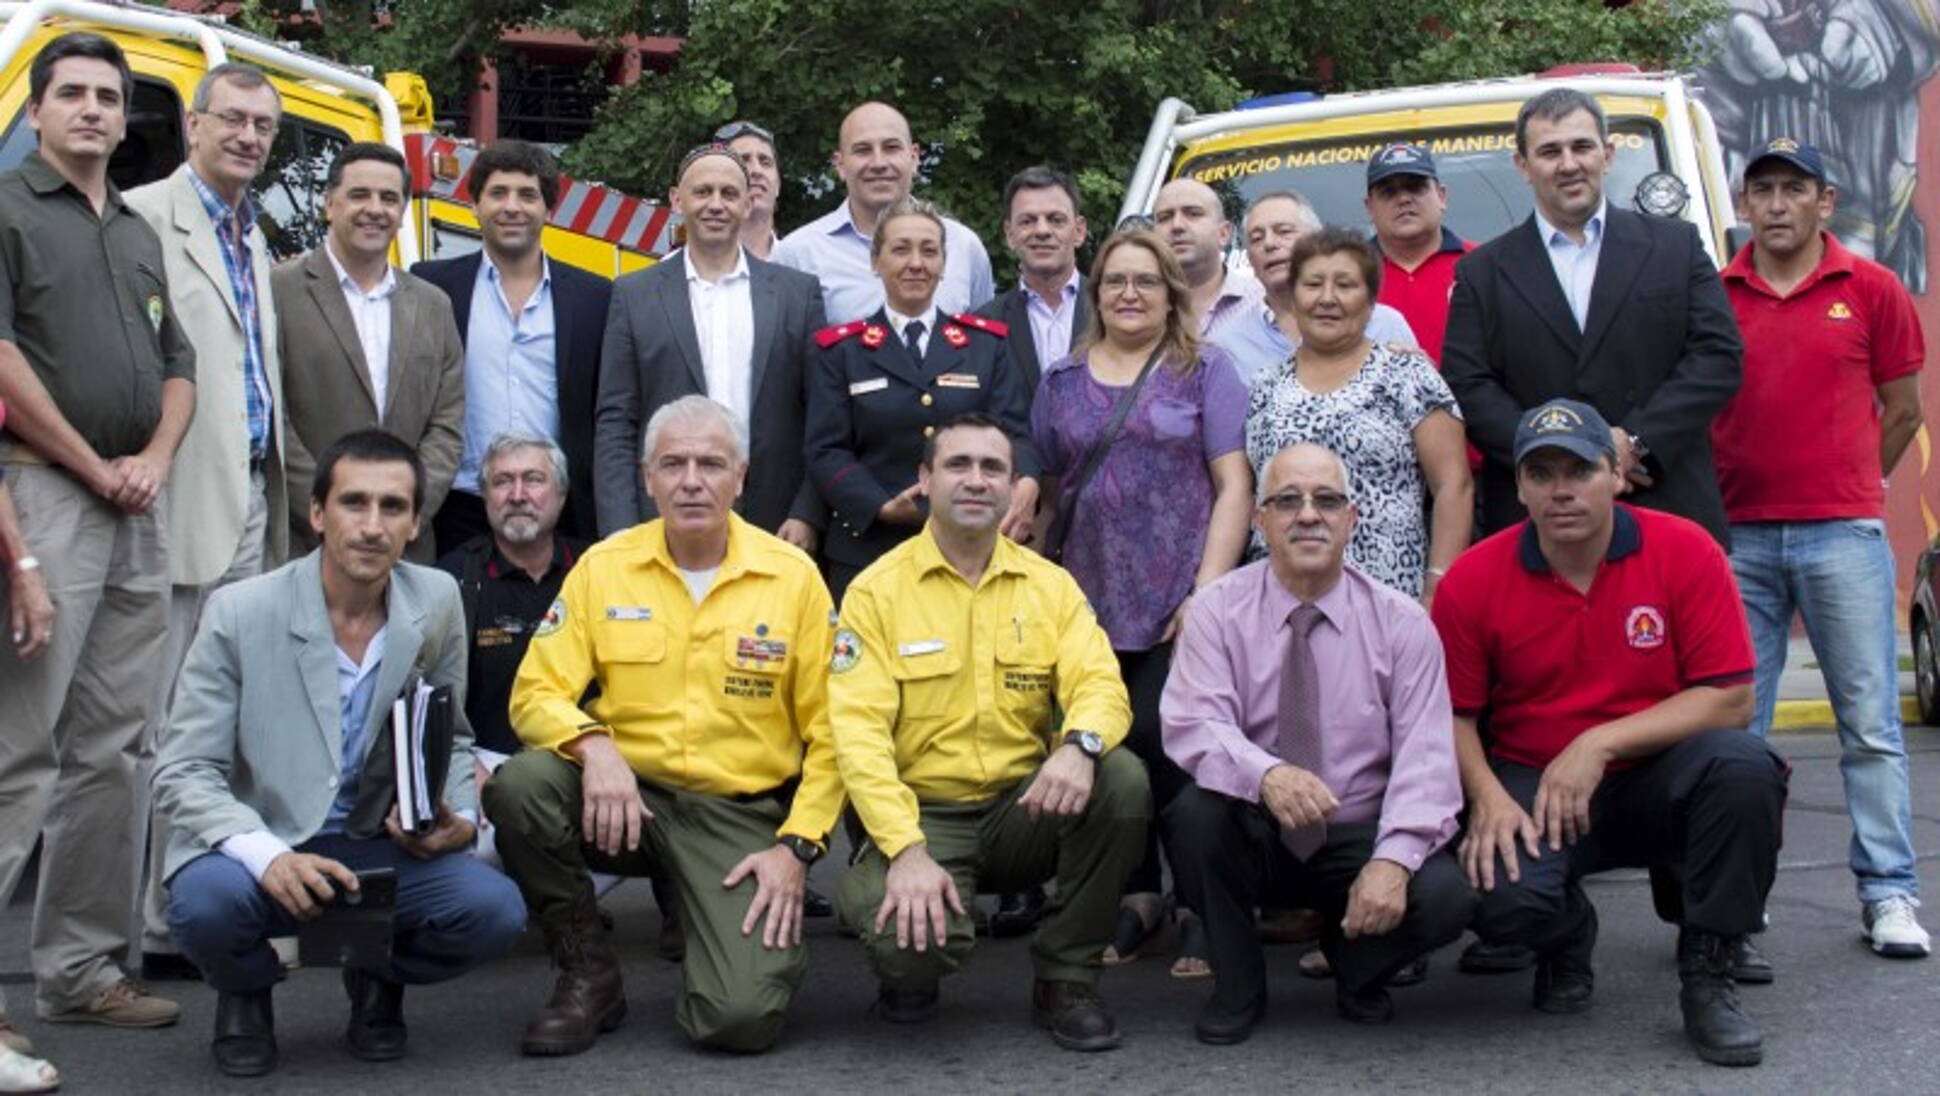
(1400, 158)
(1569, 425)
(1798, 154)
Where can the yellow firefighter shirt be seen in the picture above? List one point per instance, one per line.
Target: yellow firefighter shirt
(728, 697)
(943, 693)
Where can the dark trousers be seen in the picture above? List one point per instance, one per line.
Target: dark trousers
(453, 912)
(1704, 816)
(1230, 861)
(459, 518)
(1144, 673)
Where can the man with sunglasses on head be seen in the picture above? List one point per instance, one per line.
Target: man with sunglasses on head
(1308, 704)
(762, 161)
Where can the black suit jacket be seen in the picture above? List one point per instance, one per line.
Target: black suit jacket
(1659, 356)
(653, 357)
(871, 405)
(1012, 308)
(579, 299)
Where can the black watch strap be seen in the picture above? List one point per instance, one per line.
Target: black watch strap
(808, 852)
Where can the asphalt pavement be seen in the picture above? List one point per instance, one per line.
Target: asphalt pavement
(1838, 1019)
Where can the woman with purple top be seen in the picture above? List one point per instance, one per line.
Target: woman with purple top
(1144, 515)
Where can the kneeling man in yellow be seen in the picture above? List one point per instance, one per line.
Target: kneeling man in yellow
(706, 753)
(952, 649)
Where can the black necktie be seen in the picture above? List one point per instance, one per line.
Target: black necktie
(1300, 719)
(913, 338)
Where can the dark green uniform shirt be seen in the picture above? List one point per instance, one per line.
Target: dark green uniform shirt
(86, 301)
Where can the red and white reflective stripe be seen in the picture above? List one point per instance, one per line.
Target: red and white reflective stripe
(590, 210)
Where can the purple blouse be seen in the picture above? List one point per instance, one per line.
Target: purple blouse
(1135, 543)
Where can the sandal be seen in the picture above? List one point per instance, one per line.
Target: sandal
(20, 1073)
(1191, 964)
(1131, 934)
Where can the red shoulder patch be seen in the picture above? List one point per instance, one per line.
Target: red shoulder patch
(983, 323)
(829, 336)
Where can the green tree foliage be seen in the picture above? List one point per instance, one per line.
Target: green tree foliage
(991, 86)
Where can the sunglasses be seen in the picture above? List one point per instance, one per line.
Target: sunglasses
(734, 130)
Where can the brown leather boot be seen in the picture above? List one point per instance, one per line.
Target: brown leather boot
(588, 999)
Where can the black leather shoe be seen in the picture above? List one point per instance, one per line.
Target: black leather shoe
(376, 1030)
(1749, 967)
(1413, 974)
(1369, 1006)
(1074, 1015)
(905, 1006)
(168, 966)
(817, 904)
(1717, 1027)
(1017, 913)
(1565, 981)
(1221, 1026)
(1482, 957)
(245, 1041)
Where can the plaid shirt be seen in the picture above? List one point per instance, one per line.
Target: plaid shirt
(236, 259)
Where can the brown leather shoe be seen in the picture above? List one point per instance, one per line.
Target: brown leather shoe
(1074, 1014)
(588, 999)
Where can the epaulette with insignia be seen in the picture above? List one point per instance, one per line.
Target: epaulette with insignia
(983, 323)
(829, 336)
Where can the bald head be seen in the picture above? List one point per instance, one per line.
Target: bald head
(876, 158)
(1188, 215)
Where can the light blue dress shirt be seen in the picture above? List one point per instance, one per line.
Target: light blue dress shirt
(356, 689)
(511, 369)
(1051, 323)
(831, 248)
(1257, 345)
(1575, 263)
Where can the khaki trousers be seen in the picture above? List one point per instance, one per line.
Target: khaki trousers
(72, 728)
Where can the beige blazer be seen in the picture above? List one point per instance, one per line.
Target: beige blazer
(327, 384)
(255, 738)
(208, 487)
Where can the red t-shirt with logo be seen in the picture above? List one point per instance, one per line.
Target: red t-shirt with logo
(1421, 295)
(1548, 663)
(1800, 440)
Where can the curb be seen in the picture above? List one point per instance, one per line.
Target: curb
(1792, 715)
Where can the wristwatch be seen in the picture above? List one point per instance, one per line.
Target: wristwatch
(1637, 447)
(1090, 742)
(808, 852)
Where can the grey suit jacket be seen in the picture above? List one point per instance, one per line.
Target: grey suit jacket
(256, 733)
(653, 357)
(327, 388)
(208, 489)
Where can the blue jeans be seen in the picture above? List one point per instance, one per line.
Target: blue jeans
(1838, 575)
(453, 912)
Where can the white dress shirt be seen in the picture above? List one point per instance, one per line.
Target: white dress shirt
(370, 310)
(899, 321)
(724, 325)
(1575, 263)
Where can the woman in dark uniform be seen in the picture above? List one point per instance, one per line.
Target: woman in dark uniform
(882, 384)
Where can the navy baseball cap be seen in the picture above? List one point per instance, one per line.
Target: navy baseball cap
(1802, 156)
(1400, 159)
(1567, 425)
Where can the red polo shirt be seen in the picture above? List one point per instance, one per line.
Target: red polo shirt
(1800, 440)
(1548, 663)
(1421, 295)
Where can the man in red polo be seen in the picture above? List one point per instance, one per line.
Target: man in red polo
(1607, 649)
(1406, 202)
(1830, 401)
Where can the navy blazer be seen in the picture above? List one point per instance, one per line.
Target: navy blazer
(871, 406)
(579, 299)
(1659, 355)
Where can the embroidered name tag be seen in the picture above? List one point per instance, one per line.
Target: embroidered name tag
(959, 380)
(920, 647)
(863, 388)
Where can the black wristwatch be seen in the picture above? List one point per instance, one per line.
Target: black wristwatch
(808, 852)
(1090, 742)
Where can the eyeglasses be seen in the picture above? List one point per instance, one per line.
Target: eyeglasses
(1144, 283)
(1293, 502)
(743, 129)
(233, 120)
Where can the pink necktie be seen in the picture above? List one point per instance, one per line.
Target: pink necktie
(1300, 719)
